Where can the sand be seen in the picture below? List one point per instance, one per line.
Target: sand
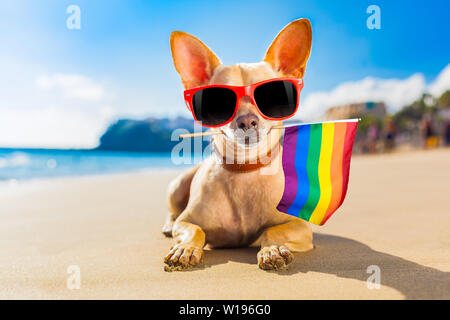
(396, 216)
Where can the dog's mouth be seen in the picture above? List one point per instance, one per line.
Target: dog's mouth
(245, 138)
(245, 146)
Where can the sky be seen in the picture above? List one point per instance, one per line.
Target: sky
(61, 87)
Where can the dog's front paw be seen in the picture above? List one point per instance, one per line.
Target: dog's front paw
(274, 257)
(183, 256)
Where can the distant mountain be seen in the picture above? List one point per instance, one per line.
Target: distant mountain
(148, 135)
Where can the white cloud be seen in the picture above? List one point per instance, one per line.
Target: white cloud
(441, 84)
(53, 127)
(58, 111)
(72, 86)
(396, 93)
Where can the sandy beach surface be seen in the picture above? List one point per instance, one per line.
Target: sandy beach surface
(396, 216)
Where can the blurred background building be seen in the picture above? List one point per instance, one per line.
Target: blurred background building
(347, 111)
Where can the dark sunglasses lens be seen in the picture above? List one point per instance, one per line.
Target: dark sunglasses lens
(214, 106)
(276, 99)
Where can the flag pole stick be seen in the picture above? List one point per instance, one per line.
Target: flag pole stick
(200, 134)
(305, 124)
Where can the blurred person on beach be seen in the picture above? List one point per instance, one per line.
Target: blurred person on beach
(372, 137)
(390, 133)
(430, 139)
(445, 114)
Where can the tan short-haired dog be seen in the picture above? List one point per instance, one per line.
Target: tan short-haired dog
(225, 205)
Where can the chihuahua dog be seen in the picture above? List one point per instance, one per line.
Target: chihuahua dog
(233, 205)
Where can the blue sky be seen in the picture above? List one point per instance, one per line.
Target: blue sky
(120, 58)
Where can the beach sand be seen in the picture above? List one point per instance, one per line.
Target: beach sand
(396, 216)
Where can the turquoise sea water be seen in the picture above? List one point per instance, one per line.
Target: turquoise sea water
(22, 164)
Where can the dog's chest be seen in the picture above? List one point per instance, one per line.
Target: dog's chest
(247, 202)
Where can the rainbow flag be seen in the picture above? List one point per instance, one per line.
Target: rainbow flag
(316, 164)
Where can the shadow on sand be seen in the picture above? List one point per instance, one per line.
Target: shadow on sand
(347, 258)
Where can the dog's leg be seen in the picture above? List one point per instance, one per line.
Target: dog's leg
(188, 250)
(177, 198)
(278, 243)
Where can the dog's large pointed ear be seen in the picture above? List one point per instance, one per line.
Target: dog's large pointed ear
(194, 61)
(290, 50)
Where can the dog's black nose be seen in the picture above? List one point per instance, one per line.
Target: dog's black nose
(248, 121)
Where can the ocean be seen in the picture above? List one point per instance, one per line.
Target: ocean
(24, 164)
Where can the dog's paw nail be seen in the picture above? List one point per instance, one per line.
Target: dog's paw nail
(279, 263)
(286, 254)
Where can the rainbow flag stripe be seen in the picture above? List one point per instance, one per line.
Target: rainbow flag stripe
(316, 164)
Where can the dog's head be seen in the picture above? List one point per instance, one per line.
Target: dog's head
(286, 57)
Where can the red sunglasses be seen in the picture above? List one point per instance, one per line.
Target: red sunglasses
(216, 105)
